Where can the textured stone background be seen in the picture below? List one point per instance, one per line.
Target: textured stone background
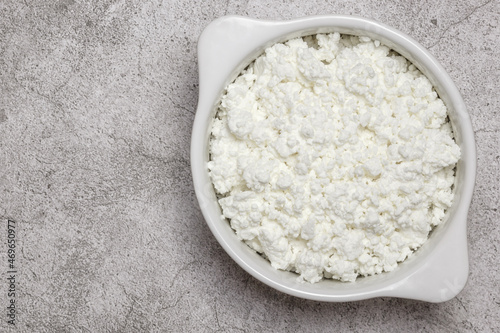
(97, 100)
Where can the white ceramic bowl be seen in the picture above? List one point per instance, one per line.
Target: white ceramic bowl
(438, 270)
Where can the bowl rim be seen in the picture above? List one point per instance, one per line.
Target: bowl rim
(225, 47)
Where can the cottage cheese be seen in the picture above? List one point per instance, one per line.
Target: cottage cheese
(332, 157)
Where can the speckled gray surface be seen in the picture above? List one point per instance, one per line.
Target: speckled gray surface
(97, 100)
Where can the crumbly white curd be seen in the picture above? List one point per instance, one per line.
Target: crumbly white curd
(332, 157)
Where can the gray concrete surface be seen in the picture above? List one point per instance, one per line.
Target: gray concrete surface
(97, 100)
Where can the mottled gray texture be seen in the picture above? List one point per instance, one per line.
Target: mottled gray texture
(97, 100)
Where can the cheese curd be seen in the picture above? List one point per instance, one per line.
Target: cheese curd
(332, 157)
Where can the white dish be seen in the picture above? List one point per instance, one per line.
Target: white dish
(436, 272)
